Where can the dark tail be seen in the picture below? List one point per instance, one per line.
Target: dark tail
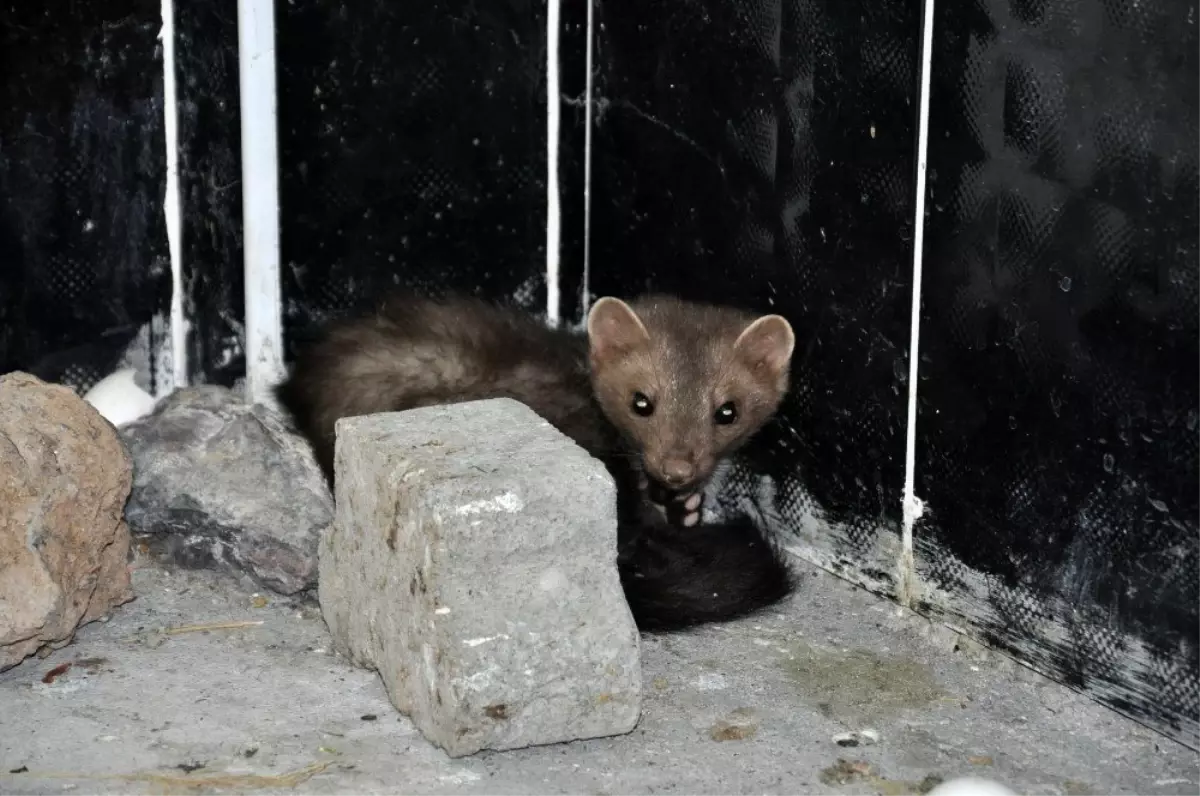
(676, 578)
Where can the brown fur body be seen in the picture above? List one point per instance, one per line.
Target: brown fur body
(415, 352)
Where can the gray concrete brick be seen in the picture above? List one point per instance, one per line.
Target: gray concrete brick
(472, 563)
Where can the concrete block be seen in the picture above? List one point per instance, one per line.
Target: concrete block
(472, 563)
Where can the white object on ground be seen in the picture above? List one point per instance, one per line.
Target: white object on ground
(971, 786)
(118, 399)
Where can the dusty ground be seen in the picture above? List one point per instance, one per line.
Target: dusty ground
(749, 707)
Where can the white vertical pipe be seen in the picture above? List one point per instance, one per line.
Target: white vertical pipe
(913, 506)
(260, 198)
(553, 123)
(589, 91)
(177, 326)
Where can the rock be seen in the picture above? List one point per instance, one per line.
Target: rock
(472, 563)
(221, 483)
(64, 547)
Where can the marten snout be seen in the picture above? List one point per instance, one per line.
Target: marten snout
(677, 472)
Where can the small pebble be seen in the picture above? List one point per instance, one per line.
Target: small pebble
(368, 717)
(861, 738)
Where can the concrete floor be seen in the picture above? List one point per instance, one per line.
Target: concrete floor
(750, 707)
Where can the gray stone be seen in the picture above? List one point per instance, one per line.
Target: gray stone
(64, 547)
(218, 482)
(472, 563)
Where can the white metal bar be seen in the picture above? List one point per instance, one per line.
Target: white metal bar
(175, 370)
(553, 123)
(260, 198)
(589, 98)
(913, 506)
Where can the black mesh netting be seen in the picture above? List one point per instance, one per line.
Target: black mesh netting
(83, 260)
(413, 152)
(762, 153)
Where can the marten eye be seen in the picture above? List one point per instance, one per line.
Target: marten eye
(726, 414)
(642, 406)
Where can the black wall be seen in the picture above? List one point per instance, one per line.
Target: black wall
(412, 145)
(1060, 366)
(413, 152)
(759, 153)
(83, 252)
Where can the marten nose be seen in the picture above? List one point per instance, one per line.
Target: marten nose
(677, 472)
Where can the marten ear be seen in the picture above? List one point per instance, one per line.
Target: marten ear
(614, 330)
(767, 343)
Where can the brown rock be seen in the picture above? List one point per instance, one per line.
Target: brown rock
(64, 545)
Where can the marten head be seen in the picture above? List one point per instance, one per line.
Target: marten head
(686, 383)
